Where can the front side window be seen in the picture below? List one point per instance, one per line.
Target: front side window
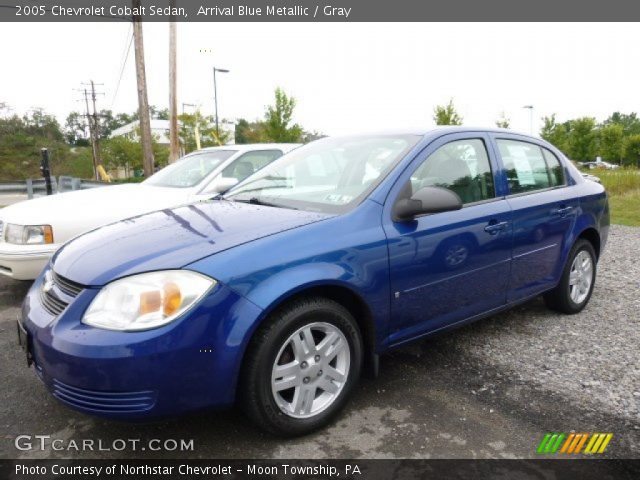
(529, 167)
(249, 163)
(331, 175)
(190, 170)
(461, 166)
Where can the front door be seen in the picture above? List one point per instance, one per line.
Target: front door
(450, 266)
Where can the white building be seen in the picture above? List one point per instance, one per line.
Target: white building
(159, 129)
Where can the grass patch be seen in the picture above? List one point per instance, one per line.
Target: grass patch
(623, 187)
(625, 208)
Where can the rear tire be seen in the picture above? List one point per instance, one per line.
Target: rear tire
(292, 383)
(573, 292)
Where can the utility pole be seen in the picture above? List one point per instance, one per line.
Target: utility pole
(530, 108)
(143, 101)
(94, 125)
(96, 129)
(94, 150)
(174, 150)
(215, 97)
(196, 116)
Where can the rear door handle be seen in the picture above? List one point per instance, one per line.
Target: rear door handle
(496, 227)
(562, 211)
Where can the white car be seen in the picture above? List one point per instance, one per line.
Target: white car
(31, 231)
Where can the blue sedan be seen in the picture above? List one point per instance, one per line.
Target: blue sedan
(278, 295)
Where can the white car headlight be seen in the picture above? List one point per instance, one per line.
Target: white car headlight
(28, 234)
(146, 301)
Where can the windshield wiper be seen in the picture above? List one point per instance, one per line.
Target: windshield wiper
(258, 201)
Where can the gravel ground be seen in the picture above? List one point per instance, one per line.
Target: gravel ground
(488, 390)
(593, 357)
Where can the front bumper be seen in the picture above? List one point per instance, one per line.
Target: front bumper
(24, 262)
(189, 364)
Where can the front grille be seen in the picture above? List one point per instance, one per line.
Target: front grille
(67, 286)
(51, 302)
(105, 402)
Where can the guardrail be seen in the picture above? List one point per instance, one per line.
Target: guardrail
(31, 187)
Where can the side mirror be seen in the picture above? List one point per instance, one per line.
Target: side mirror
(426, 200)
(222, 184)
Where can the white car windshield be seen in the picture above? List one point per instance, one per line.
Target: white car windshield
(190, 170)
(330, 175)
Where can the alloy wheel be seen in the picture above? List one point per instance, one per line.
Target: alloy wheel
(580, 277)
(310, 370)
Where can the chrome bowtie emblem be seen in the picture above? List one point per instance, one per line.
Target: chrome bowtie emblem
(48, 283)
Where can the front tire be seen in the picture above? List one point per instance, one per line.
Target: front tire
(573, 292)
(301, 367)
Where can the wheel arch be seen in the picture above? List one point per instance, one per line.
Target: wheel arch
(340, 293)
(592, 236)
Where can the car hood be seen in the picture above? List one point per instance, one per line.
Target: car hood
(82, 210)
(171, 238)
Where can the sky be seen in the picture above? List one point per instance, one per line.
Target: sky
(346, 77)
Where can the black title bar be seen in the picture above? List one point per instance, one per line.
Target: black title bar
(582, 469)
(320, 10)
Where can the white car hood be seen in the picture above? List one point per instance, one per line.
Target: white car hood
(72, 213)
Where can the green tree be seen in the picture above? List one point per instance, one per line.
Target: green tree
(122, 152)
(249, 132)
(611, 142)
(582, 138)
(446, 114)
(278, 117)
(555, 133)
(21, 139)
(503, 121)
(631, 150)
(75, 130)
(206, 130)
(630, 122)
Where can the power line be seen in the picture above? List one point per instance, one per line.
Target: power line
(124, 64)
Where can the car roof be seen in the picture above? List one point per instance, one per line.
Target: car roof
(441, 130)
(248, 147)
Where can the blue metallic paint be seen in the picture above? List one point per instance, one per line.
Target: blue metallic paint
(262, 256)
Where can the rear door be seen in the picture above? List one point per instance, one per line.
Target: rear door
(449, 266)
(543, 213)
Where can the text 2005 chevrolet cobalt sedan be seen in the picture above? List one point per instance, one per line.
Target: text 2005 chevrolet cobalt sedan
(279, 294)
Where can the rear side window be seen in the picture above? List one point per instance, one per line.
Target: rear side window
(529, 167)
(555, 168)
(249, 163)
(461, 166)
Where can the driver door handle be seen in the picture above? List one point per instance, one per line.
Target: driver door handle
(495, 227)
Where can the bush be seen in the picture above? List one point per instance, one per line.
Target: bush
(632, 151)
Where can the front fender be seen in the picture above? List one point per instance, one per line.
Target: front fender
(348, 251)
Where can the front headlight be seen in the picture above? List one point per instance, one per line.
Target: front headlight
(28, 234)
(146, 301)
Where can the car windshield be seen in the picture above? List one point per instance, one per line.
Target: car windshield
(189, 170)
(331, 175)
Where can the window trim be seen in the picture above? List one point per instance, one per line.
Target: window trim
(564, 173)
(464, 205)
(496, 139)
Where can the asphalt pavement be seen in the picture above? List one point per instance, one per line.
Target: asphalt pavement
(488, 390)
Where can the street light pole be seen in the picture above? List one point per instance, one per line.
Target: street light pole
(215, 96)
(530, 108)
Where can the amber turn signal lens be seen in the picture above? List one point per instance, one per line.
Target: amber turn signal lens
(48, 234)
(172, 299)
